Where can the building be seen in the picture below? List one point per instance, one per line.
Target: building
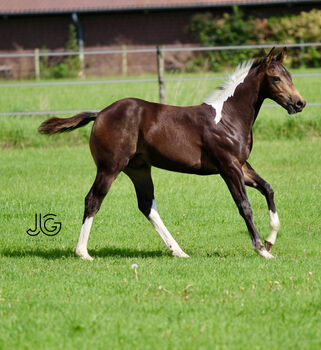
(30, 24)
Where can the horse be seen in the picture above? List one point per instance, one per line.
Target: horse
(132, 135)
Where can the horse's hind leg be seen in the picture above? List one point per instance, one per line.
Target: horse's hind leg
(93, 202)
(252, 179)
(143, 183)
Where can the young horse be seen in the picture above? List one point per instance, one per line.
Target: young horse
(131, 135)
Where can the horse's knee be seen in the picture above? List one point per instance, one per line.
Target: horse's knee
(269, 190)
(245, 209)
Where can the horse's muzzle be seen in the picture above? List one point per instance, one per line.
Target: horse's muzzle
(296, 107)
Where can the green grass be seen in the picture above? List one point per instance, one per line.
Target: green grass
(223, 297)
(234, 299)
(22, 131)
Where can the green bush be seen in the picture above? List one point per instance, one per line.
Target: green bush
(64, 67)
(236, 29)
(231, 29)
(60, 70)
(72, 62)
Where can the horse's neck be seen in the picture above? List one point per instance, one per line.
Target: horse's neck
(248, 99)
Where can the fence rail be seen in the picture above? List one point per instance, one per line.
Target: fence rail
(151, 50)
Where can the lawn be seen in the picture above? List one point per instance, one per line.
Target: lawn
(232, 298)
(223, 297)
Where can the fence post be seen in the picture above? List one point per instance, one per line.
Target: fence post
(81, 57)
(160, 71)
(37, 64)
(124, 60)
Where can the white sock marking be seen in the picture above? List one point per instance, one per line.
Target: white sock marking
(81, 249)
(159, 226)
(219, 96)
(263, 252)
(275, 225)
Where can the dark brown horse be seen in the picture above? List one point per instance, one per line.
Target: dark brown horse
(132, 135)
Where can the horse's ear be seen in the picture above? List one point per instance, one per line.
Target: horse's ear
(281, 56)
(269, 56)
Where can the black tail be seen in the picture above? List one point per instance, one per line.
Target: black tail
(55, 125)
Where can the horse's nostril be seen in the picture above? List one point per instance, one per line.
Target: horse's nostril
(300, 104)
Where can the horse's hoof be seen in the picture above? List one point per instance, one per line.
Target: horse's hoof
(180, 254)
(264, 253)
(268, 245)
(83, 255)
(87, 257)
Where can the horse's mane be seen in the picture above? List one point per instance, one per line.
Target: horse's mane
(258, 61)
(220, 95)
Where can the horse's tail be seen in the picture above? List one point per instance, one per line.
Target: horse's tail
(54, 125)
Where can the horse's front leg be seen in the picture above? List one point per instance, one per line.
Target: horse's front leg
(234, 178)
(252, 179)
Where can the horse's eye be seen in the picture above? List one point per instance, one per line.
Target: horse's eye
(276, 79)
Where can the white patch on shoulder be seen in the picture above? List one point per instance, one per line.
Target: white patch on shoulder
(219, 96)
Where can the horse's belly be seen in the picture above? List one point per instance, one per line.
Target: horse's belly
(176, 147)
(189, 162)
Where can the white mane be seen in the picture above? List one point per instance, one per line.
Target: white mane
(219, 96)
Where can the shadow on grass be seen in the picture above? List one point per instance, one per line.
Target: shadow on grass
(216, 254)
(127, 253)
(69, 253)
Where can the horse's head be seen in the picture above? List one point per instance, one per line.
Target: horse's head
(278, 83)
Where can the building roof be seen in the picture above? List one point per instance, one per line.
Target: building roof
(16, 7)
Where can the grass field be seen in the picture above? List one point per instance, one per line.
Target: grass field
(223, 297)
